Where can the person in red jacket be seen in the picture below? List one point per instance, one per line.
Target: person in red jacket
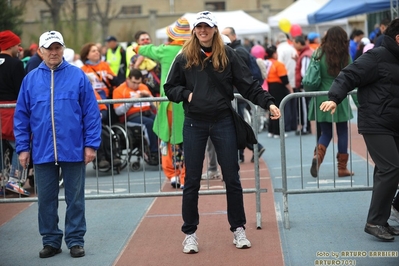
(11, 75)
(302, 64)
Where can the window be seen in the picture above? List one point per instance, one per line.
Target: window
(130, 10)
(215, 6)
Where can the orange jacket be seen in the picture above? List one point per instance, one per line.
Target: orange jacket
(95, 72)
(124, 92)
(277, 70)
(102, 106)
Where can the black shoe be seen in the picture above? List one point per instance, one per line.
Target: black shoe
(379, 231)
(49, 251)
(261, 151)
(153, 159)
(103, 164)
(298, 132)
(393, 230)
(117, 162)
(77, 251)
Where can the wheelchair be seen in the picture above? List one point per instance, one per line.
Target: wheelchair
(134, 145)
(111, 150)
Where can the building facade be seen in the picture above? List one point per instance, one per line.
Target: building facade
(92, 20)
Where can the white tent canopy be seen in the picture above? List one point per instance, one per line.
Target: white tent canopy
(243, 24)
(297, 13)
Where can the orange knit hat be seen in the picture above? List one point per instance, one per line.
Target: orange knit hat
(179, 31)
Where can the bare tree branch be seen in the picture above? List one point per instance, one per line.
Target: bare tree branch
(105, 17)
(55, 8)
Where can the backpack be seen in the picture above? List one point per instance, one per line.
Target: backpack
(255, 70)
(253, 67)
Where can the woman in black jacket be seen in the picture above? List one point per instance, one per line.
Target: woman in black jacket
(207, 114)
(376, 75)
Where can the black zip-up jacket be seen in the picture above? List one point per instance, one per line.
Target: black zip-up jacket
(376, 75)
(207, 102)
(11, 75)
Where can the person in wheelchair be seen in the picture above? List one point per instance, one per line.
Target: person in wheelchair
(137, 114)
(104, 151)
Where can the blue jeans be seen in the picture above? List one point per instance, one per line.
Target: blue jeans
(342, 133)
(223, 136)
(47, 178)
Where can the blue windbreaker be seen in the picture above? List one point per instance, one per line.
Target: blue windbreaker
(58, 111)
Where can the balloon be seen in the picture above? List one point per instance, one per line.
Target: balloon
(284, 25)
(295, 30)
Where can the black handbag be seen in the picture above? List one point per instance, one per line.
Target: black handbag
(244, 131)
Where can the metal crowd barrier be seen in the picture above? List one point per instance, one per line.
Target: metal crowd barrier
(322, 184)
(145, 181)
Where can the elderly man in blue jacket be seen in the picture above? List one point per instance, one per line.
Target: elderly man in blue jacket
(58, 113)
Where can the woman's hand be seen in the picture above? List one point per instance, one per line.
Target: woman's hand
(327, 106)
(274, 112)
(290, 89)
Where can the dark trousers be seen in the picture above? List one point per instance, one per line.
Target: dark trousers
(223, 136)
(384, 150)
(279, 91)
(327, 134)
(303, 107)
(241, 105)
(148, 122)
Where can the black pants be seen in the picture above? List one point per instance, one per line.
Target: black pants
(302, 112)
(384, 150)
(278, 91)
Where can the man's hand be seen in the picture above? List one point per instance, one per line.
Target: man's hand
(90, 155)
(24, 159)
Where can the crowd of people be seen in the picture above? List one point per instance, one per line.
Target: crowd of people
(192, 65)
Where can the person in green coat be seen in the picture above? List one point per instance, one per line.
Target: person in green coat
(168, 124)
(333, 54)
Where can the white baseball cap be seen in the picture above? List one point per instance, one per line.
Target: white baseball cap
(225, 39)
(365, 40)
(50, 37)
(205, 17)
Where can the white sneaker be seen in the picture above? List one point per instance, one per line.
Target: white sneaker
(240, 239)
(175, 182)
(278, 136)
(394, 215)
(211, 175)
(190, 244)
(270, 135)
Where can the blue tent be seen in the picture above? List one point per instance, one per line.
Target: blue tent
(336, 9)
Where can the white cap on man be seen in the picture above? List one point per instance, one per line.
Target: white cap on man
(50, 37)
(205, 17)
(225, 39)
